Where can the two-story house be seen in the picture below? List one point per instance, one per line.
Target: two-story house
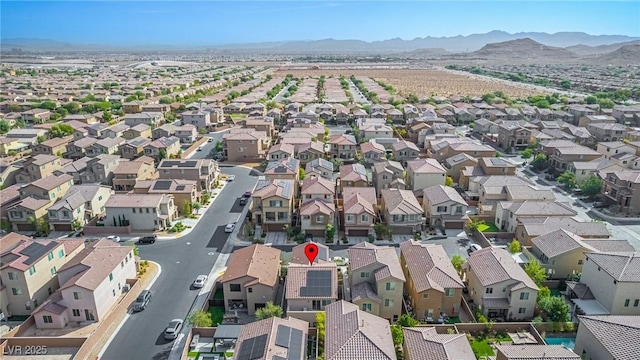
(204, 171)
(286, 168)
(133, 148)
(433, 284)
(140, 130)
(309, 152)
(404, 151)
(343, 146)
(401, 211)
(40, 166)
(104, 146)
(183, 191)
(36, 198)
(319, 168)
(80, 204)
(563, 157)
(508, 212)
(245, 145)
(273, 338)
(444, 207)
(424, 173)
(253, 280)
(90, 285)
(55, 146)
(608, 131)
(133, 107)
(127, 173)
(499, 287)
(153, 120)
(373, 152)
(187, 134)
(309, 289)
(359, 211)
(162, 148)
(200, 119)
(78, 148)
(427, 343)
(388, 175)
(29, 269)
(317, 208)
(141, 212)
(621, 192)
(354, 175)
(595, 341)
(116, 130)
(376, 280)
(272, 205)
(100, 169)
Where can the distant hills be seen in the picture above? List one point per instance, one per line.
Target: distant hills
(522, 49)
(584, 44)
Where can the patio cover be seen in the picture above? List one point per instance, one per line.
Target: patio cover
(227, 332)
(495, 303)
(591, 307)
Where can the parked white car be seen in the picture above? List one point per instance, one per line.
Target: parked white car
(200, 281)
(229, 228)
(114, 238)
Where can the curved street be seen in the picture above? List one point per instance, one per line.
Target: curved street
(182, 259)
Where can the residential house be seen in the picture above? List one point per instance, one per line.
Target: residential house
(9, 196)
(187, 134)
(444, 148)
(253, 280)
(309, 289)
(156, 108)
(78, 206)
(94, 130)
(40, 166)
(317, 208)
(456, 164)
(513, 135)
(376, 280)
(204, 172)
(401, 211)
(359, 211)
(309, 152)
(587, 120)
(484, 127)
(29, 269)
(608, 131)
(620, 191)
(427, 343)
(90, 285)
(272, 205)
(243, 145)
(563, 157)
(287, 169)
(35, 116)
(12, 146)
(529, 228)
(127, 173)
(166, 130)
(343, 146)
(374, 131)
(100, 169)
(433, 284)
(534, 352)
(508, 212)
(141, 212)
(78, 148)
(261, 124)
(163, 148)
(273, 338)
(595, 339)
(36, 198)
(404, 151)
(388, 175)
(584, 169)
(133, 107)
(133, 148)
(499, 287)
(373, 152)
(152, 119)
(55, 146)
(104, 146)
(562, 253)
(74, 169)
(281, 151)
(319, 168)
(354, 175)
(140, 130)
(84, 118)
(444, 207)
(424, 173)
(183, 191)
(356, 334)
(115, 131)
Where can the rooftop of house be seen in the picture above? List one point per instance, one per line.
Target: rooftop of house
(21, 252)
(354, 172)
(382, 259)
(77, 196)
(298, 254)
(318, 185)
(426, 166)
(401, 202)
(359, 199)
(319, 163)
(51, 182)
(494, 265)
(559, 242)
(318, 281)
(131, 200)
(356, 335)
(620, 266)
(130, 167)
(274, 187)
(273, 338)
(289, 166)
(426, 343)
(617, 334)
(284, 147)
(535, 352)
(259, 262)
(532, 207)
(429, 267)
(343, 139)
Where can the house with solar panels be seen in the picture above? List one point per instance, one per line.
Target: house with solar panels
(274, 339)
(310, 288)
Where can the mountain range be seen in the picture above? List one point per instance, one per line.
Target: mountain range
(582, 43)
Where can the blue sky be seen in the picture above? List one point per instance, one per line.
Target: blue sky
(222, 22)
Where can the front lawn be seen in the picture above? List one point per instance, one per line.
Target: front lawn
(488, 227)
(481, 347)
(217, 313)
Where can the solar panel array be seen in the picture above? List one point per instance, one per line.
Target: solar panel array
(318, 284)
(162, 185)
(173, 163)
(180, 187)
(36, 250)
(252, 348)
(292, 339)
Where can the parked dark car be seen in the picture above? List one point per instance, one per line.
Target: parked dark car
(247, 194)
(142, 300)
(149, 239)
(308, 237)
(243, 201)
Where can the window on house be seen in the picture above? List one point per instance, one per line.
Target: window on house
(50, 256)
(448, 292)
(12, 275)
(390, 286)
(76, 312)
(441, 209)
(488, 291)
(16, 291)
(364, 274)
(388, 302)
(111, 277)
(364, 218)
(47, 319)
(425, 295)
(366, 307)
(133, 210)
(522, 310)
(114, 292)
(524, 296)
(53, 271)
(77, 295)
(320, 218)
(250, 290)
(458, 209)
(626, 302)
(234, 287)
(32, 270)
(580, 262)
(636, 302)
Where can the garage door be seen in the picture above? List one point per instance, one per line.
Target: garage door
(358, 233)
(316, 233)
(26, 227)
(453, 225)
(63, 227)
(402, 230)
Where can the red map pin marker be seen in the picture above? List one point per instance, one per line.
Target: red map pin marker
(311, 250)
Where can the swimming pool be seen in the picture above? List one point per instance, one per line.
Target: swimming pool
(568, 342)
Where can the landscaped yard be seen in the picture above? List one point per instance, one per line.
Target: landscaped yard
(488, 227)
(217, 312)
(481, 347)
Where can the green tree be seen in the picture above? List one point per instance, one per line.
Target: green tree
(457, 261)
(60, 130)
(186, 208)
(590, 99)
(536, 272)
(382, 230)
(106, 116)
(474, 224)
(48, 105)
(165, 100)
(591, 186)
(200, 318)
(543, 292)
(320, 327)
(406, 320)
(196, 206)
(397, 335)
(301, 174)
(330, 232)
(566, 84)
(539, 162)
(568, 180)
(4, 127)
(162, 154)
(448, 181)
(72, 107)
(555, 308)
(270, 310)
(514, 246)
(526, 153)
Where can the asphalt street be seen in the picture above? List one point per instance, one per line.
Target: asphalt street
(182, 260)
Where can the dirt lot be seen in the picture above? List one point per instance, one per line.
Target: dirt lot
(426, 82)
